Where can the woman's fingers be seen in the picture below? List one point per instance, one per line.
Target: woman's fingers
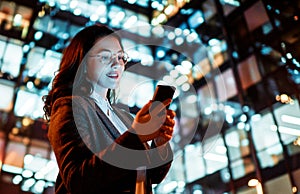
(154, 121)
(145, 109)
(171, 113)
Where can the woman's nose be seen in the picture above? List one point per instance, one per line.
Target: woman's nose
(115, 63)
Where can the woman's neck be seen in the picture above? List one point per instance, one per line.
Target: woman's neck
(100, 92)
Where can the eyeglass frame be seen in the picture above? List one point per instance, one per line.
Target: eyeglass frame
(113, 55)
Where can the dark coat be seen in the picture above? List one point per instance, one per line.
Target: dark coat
(93, 157)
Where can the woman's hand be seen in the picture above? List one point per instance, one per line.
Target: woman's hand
(154, 122)
(166, 130)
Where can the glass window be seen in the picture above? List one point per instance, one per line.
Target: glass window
(269, 149)
(209, 9)
(201, 69)
(226, 85)
(49, 65)
(237, 143)
(217, 51)
(263, 124)
(35, 60)
(214, 154)
(256, 16)
(15, 152)
(206, 96)
(2, 48)
(29, 104)
(6, 14)
(7, 94)
(193, 162)
(12, 58)
(196, 19)
(38, 148)
(270, 156)
(229, 5)
(241, 167)
(15, 18)
(249, 72)
(288, 120)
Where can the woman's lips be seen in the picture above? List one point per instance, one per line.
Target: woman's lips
(113, 75)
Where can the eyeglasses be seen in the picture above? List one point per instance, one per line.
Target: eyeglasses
(106, 57)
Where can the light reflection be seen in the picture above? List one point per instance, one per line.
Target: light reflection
(284, 98)
(290, 119)
(169, 187)
(215, 157)
(255, 183)
(17, 179)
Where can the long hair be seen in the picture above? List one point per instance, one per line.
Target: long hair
(72, 61)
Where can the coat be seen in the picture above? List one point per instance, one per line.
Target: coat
(93, 157)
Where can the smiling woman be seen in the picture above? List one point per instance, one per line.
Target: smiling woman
(98, 147)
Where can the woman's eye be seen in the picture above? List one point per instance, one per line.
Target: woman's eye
(104, 57)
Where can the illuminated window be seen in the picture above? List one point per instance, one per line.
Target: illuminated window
(256, 16)
(248, 71)
(7, 93)
(225, 85)
(12, 58)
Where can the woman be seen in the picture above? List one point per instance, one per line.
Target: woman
(100, 148)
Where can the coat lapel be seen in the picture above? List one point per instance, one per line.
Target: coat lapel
(108, 124)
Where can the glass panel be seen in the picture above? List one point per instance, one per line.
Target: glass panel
(209, 9)
(15, 152)
(12, 59)
(2, 48)
(237, 143)
(6, 14)
(7, 94)
(35, 60)
(15, 19)
(263, 124)
(229, 5)
(202, 68)
(226, 85)
(241, 167)
(256, 16)
(288, 119)
(249, 72)
(217, 48)
(214, 154)
(194, 164)
(270, 156)
(196, 19)
(29, 104)
(50, 64)
(206, 97)
(44, 23)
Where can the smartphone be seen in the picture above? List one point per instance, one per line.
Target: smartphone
(163, 92)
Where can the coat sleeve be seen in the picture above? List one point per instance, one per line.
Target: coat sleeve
(81, 170)
(158, 165)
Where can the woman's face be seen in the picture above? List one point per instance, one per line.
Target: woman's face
(103, 70)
